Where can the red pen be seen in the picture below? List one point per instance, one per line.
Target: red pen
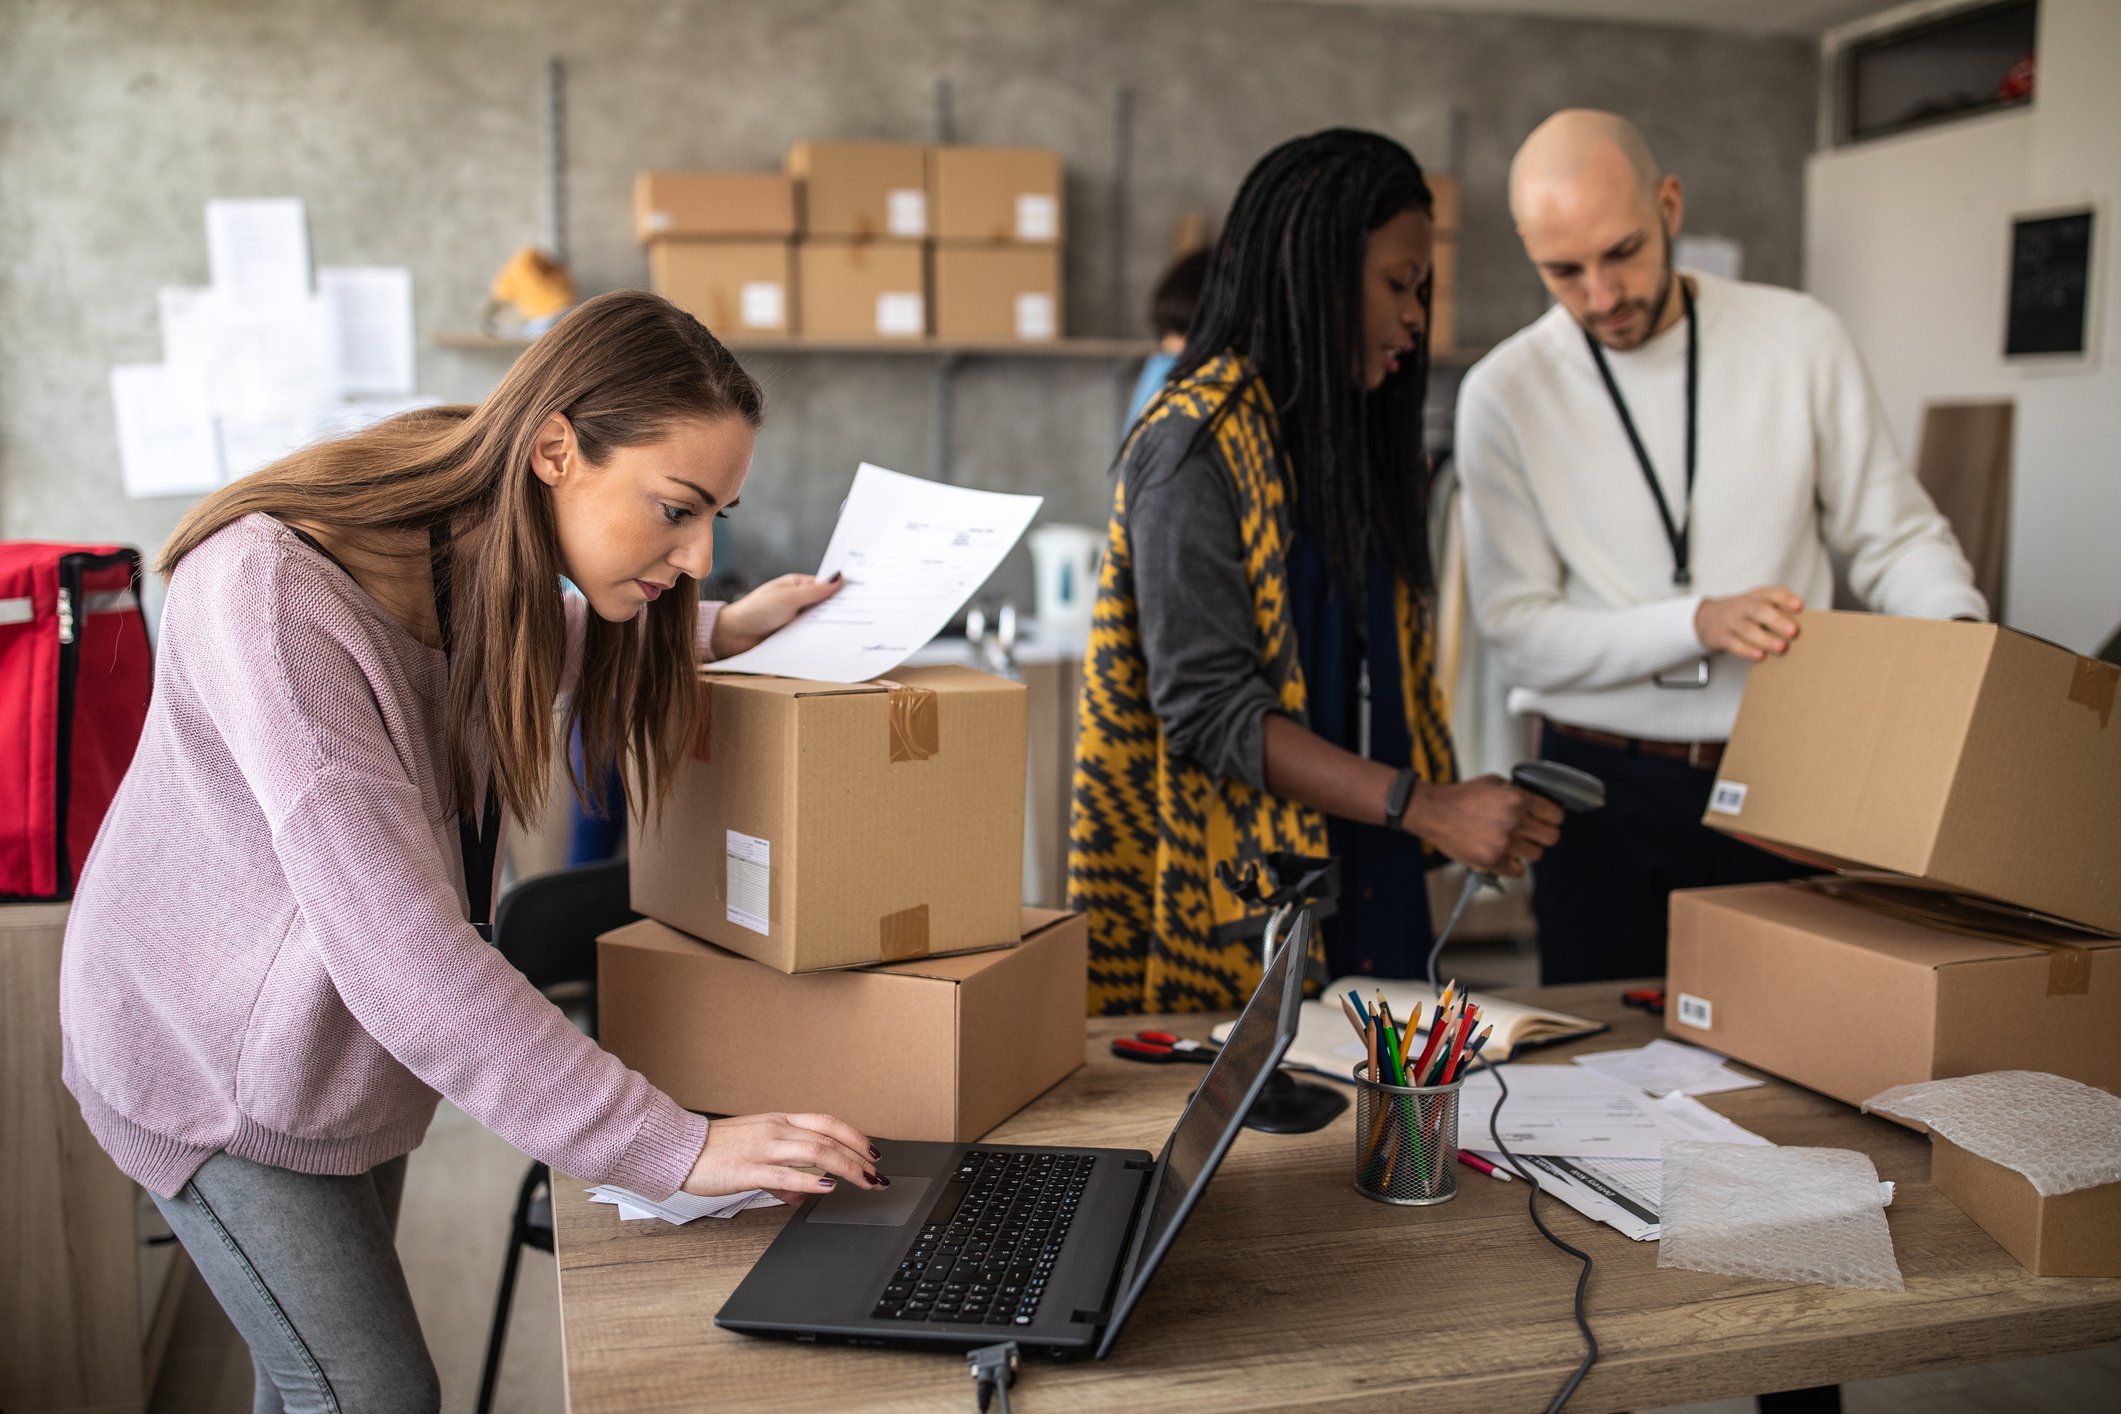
(1480, 1165)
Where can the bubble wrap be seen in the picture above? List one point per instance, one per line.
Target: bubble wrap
(1803, 1215)
(2061, 1135)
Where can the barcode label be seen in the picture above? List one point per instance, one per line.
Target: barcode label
(1037, 217)
(762, 304)
(1034, 316)
(902, 314)
(1728, 798)
(750, 882)
(1695, 1012)
(906, 212)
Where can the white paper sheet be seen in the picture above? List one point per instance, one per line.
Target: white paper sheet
(1668, 1067)
(258, 250)
(680, 1208)
(166, 444)
(370, 309)
(1568, 1110)
(913, 552)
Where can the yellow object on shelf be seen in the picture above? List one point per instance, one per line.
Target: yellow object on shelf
(535, 286)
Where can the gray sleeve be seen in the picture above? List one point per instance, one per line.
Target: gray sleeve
(1208, 682)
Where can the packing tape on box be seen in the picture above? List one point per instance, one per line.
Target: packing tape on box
(916, 722)
(2093, 686)
(2061, 1134)
(904, 934)
(2069, 964)
(1806, 1215)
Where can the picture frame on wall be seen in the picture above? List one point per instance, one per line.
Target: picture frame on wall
(2051, 311)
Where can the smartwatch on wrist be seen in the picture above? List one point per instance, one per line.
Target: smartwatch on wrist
(1399, 797)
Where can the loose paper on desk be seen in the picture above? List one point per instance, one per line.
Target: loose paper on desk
(913, 552)
(1567, 1110)
(680, 1208)
(1668, 1067)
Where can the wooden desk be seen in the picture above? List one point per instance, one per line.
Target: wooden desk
(1288, 1289)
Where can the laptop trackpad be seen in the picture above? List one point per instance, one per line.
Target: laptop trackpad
(888, 1207)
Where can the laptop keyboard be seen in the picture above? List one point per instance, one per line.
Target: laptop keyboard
(983, 1256)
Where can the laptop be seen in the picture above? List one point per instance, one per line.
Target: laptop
(1048, 1247)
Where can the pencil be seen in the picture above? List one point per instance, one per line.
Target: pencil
(1353, 1020)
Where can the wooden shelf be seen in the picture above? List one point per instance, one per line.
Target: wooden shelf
(1112, 350)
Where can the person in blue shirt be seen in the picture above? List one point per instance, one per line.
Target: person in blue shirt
(1170, 314)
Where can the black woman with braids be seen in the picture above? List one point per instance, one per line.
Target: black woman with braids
(1260, 672)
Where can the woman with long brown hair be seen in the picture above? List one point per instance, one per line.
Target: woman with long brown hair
(276, 960)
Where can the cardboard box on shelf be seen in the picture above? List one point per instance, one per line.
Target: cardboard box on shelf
(1854, 994)
(862, 290)
(1443, 296)
(942, 1048)
(862, 190)
(1980, 758)
(820, 825)
(995, 194)
(998, 292)
(738, 204)
(2069, 1235)
(732, 287)
(1449, 202)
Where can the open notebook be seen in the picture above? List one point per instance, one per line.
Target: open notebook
(1326, 1043)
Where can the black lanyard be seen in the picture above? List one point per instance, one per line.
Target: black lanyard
(479, 844)
(1674, 531)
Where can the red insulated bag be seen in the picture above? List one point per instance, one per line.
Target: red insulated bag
(75, 672)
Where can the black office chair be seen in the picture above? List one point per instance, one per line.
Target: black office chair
(547, 927)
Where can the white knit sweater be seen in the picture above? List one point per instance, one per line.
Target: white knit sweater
(1569, 567)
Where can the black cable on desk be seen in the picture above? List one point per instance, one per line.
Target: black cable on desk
(1590, 1353)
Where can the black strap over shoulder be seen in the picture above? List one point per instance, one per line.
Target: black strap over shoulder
(481, 841)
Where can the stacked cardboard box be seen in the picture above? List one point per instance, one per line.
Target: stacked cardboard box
(845, 861)
(998, 241)
(1980, 770)
(862, 258)
(1443, 287)
(720, 246)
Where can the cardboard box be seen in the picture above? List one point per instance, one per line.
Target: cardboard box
(998, 292)
(862, 289)
(1443, 296)
(862, 190)
(1850, 1001)
(756, 204)
(2070, 1235)
(1983, 759)
(1449, 202)
(732, 287)
(820, 825)
(995, 194)
(944, 1048)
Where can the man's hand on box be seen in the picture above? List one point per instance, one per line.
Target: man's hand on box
(1749, 625)
(767, 609)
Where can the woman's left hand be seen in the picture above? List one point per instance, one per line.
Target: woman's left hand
(767, 609)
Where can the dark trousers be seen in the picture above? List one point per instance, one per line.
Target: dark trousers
(1600, 894)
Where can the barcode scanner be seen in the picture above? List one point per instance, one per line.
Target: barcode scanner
(1576, 792)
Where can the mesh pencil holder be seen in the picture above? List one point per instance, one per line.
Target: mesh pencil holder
(1406, 1141)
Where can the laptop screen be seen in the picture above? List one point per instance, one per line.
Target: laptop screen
(1213, 1116)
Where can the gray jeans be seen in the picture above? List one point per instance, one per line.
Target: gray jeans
(306, 1265)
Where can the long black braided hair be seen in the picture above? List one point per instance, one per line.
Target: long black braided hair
(1285, 290)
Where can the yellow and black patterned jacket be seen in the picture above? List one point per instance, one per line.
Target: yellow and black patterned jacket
(1149, 823)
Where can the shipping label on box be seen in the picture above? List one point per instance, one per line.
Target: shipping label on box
(1853, 994)
(826, 825)
(947, 1048)
(1967, 754)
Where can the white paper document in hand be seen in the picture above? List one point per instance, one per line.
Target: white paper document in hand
(913, 552)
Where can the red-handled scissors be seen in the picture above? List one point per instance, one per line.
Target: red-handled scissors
(1161, 1048)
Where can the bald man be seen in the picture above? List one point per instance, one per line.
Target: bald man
(1655, 473)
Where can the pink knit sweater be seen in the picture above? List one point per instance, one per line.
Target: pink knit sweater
(269, 955)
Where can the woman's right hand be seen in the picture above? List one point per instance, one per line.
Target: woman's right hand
(770, 1151)
(1485, 824)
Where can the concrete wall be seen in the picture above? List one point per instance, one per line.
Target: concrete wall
(413, 129)
(1908, 239)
